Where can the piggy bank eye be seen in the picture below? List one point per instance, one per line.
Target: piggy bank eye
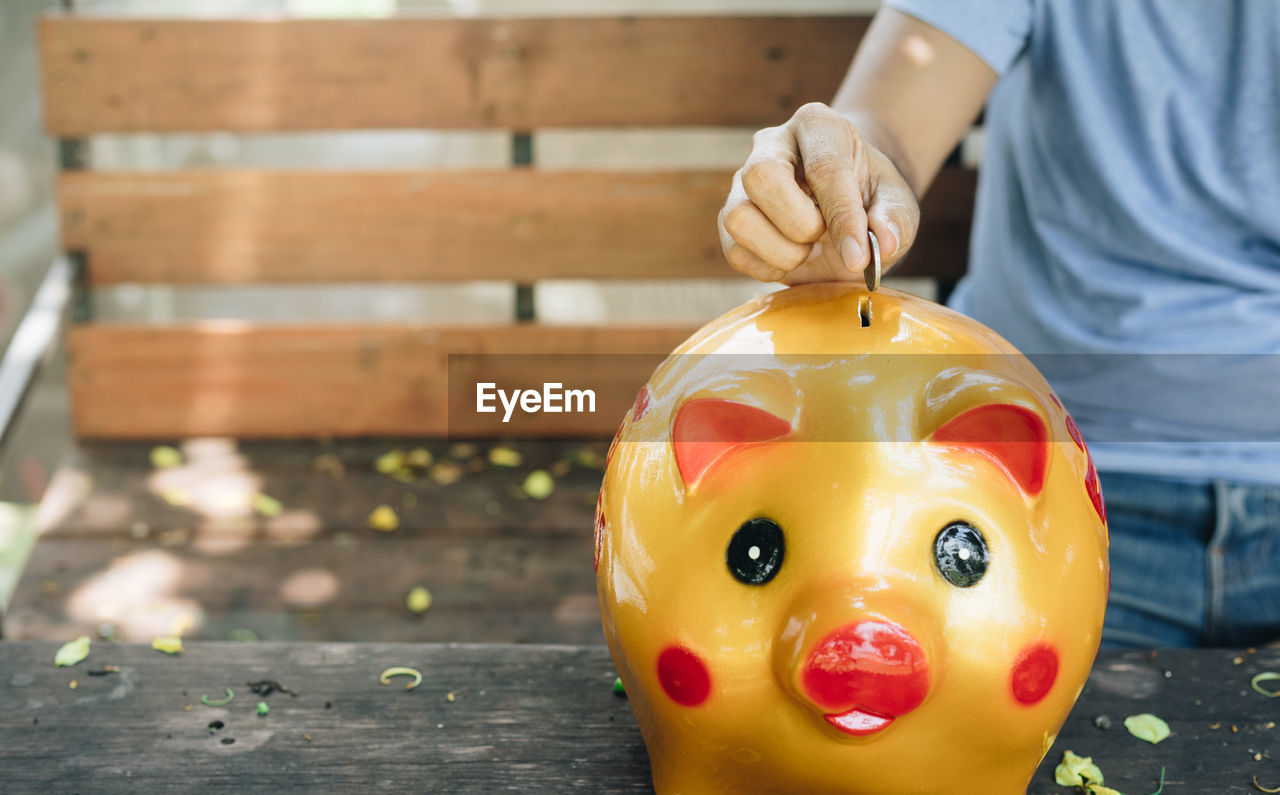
(755, 552)
(961, 554)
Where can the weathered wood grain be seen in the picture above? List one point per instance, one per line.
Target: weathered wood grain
(527, 718)
(243, 227)
(242, 379)
(108, 75)
(523, 718)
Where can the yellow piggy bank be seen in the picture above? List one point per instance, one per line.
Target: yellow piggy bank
(849, 543)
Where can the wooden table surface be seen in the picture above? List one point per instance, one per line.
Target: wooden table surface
(530, 718)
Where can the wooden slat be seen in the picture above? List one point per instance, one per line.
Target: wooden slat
(104, 75)
(236, 227)
(239, 379)
(501, 567)
(511, 587)
(486, 719)
(218, 227)
(532, 718)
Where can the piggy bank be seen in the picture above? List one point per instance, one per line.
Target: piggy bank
(849, 542)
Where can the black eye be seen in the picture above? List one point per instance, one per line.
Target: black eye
(755, 552)
(961, 554)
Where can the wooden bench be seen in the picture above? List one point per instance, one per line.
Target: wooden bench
(108, 523)
(533, 718)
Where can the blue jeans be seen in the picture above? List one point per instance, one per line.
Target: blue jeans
(1192, 564)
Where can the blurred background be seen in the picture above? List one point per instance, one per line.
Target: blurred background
(40, 438)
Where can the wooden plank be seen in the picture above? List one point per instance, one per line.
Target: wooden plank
(234, 227)
(114, 548)
(228, 227)
(536, 718)
(503, 586)
(110, 490)
(241, 379)
(109, 75)
(518, 720)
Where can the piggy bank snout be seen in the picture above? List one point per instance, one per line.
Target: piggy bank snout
(864, 674)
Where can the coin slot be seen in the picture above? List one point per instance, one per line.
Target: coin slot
(864, 311)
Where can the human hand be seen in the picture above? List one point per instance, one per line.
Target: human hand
(800, 206)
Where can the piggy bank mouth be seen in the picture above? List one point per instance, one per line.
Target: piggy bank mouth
(863, 676)
(859, 722)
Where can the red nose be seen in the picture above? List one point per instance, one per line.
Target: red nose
(871, 666)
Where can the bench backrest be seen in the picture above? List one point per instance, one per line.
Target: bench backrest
(251, 227)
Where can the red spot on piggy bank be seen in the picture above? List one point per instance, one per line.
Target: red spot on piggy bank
(846, 558)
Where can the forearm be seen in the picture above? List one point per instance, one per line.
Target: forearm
(912, 92)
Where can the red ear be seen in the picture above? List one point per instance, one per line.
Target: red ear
(708, 428)
(1013, 437)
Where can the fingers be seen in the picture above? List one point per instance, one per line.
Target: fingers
(769, 180)
(834, 164)
(746, 261)
(747, 225)
(770, 224)
(893, 212)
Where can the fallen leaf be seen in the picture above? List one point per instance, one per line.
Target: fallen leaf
(73, 684)
(267, 506)
(263, 709)
(462, 450)
(539, 484)
(1076, 771)
(167, 645)
(1265, 676)
(1147, 727)
(165, 457)
(384, 518)
(587, 458)
(72, 652)
(446, 472)
(389, 462)
(419, 457)
(505, 457)
(418, 600)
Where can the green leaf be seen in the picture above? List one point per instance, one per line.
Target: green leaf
(1265, 676)
(72, 652)
(418, 600)
(267, 506)
(168, 645)
(539, 484)
(1147, 727)
(1076, 771)
(165, 457)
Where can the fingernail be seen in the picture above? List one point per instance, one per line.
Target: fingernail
(888, 247)
(851, 253)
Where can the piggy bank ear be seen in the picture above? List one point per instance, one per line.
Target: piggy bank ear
(1014, 438)
(707, 429)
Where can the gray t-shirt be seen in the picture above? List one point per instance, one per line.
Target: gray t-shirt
(1128, 215)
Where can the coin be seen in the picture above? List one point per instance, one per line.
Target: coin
(871, 273)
